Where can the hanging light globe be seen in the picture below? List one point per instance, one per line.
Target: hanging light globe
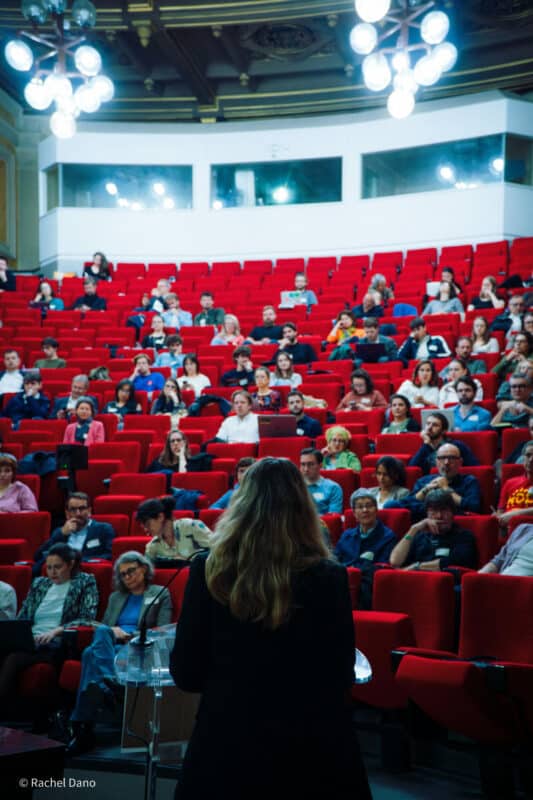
(427, 71)
(363, 38)
(37, 95)
(400, 61)
(58, 85)
(84, 13)
(34, 11)
(376, 72)
(56, 6)
(87, 98)
(400, 103)
(372, 10)
(18, 55)
(446, 55)
(62, 125)
(88, 60)
(434, 27)
(104, 86)
(406, 81)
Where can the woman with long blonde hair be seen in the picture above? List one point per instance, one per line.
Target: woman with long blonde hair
(266, 625)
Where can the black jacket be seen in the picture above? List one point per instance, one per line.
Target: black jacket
(97, 544)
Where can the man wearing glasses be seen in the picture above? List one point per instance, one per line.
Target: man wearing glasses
(516, 411)
(511, 319)
(463, 489)
(92, 539)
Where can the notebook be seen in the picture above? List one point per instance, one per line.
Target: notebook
(370, 352)
(289, 299)
(272, 425)
(16, 636)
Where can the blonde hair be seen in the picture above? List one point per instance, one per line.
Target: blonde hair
(340, 432)
(231, 318)
(270, 531)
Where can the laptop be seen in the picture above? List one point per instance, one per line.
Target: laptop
(370, 352)
(432, 288)
(289, 299)
(446, 412)
(16, 636)
(274, 425)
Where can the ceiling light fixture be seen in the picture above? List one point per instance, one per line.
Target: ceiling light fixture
(51, 81)
(392, 63)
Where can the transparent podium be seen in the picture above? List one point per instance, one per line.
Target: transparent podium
(148, 667)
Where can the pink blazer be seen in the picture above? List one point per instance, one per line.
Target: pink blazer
(96, 433)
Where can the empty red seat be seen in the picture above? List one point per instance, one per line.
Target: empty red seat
(119, 522)
(127, 452)
(118, 504)
(34, 526)
(284, 447)
(153, 484)
(212, 484)
(17, 576)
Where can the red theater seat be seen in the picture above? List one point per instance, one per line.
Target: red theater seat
(284, 447)
(19, 577)
(211, 484)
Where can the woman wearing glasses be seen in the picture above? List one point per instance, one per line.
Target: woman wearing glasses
(135, 601)
(174, 455)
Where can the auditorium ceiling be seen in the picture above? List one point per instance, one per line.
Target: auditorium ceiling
(217, 60)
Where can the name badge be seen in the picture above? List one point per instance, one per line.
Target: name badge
(474, 417)
(148, 600)
(368, 556)
(299, 431)
(92, 543)
(442, 552)
(318, 495)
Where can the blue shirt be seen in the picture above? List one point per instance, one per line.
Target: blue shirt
(129, 616)
(173, 316)
(354, 548)
(223, 502)
(477, 419)
(169, 360)
(148, 383)
(327, 496)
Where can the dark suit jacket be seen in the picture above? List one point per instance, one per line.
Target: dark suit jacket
(97, 544)
(278, 698)
(22, 407)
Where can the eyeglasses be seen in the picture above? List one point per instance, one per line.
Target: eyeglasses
(173, 441)
(77, 509)
(364, 507)
(518, 386)
(127, 573)
(447, 458)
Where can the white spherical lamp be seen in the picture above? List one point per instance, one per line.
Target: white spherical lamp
(62, 125)
(88, 60)
(18, 55)
(434, 27)
(87, 98)
(37, 95)
(427, 71)
(104, 86)
(372, 10)
(400, 103)
(446, 55)
(363, 38)
(376, 72)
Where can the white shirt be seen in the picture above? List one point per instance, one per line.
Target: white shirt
(429, 393)
(448, 394)
(11, 382)
(240, 429)
(492, 346)
(197, 382)
(49, 612)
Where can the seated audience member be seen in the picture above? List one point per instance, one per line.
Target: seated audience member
(268, 332)
(517, 454)
(11, 375)
(90, 300)
(124, 402)
(264, 398)
(448, 276)
(466, 415)
(373, 336)
(143, 379)
(463, 351)
(516, 555)
(29, 403)
(169, 400)
(243, 465)
(64, 406)
(482, 341)
(229, 333)
(158, 338)
(86, 536)
(378, 286)
(419, 344)
(174, 455)
(300, 353)
(516, 497)
(337, 453)
(192, 378)
(8, 281)
(8, 601)
(344, 330)
(520, 353)
(434, 434)
(369, 307)
(129, 606)
(327, 494)
(175, 316)
(46, 300)
(209, 315)
(391, 478)
(243, 372)
(487, 297)
(305, 425)
(423, 388)
(362, 396)
(517, 411)
(99, 269)
(524, 370)
(528, 322)
(370, 541)
(436, 542)
(301, 295)
(284, 374)
(64, 595)
(243, 426)
(158, 296)
(398, 417)
(511, 320)
(171, 538)
(14, 495)
(457, 368)
(463, 489)
(85, 430)
(174, 358)
(446, 302)
(50, 346)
